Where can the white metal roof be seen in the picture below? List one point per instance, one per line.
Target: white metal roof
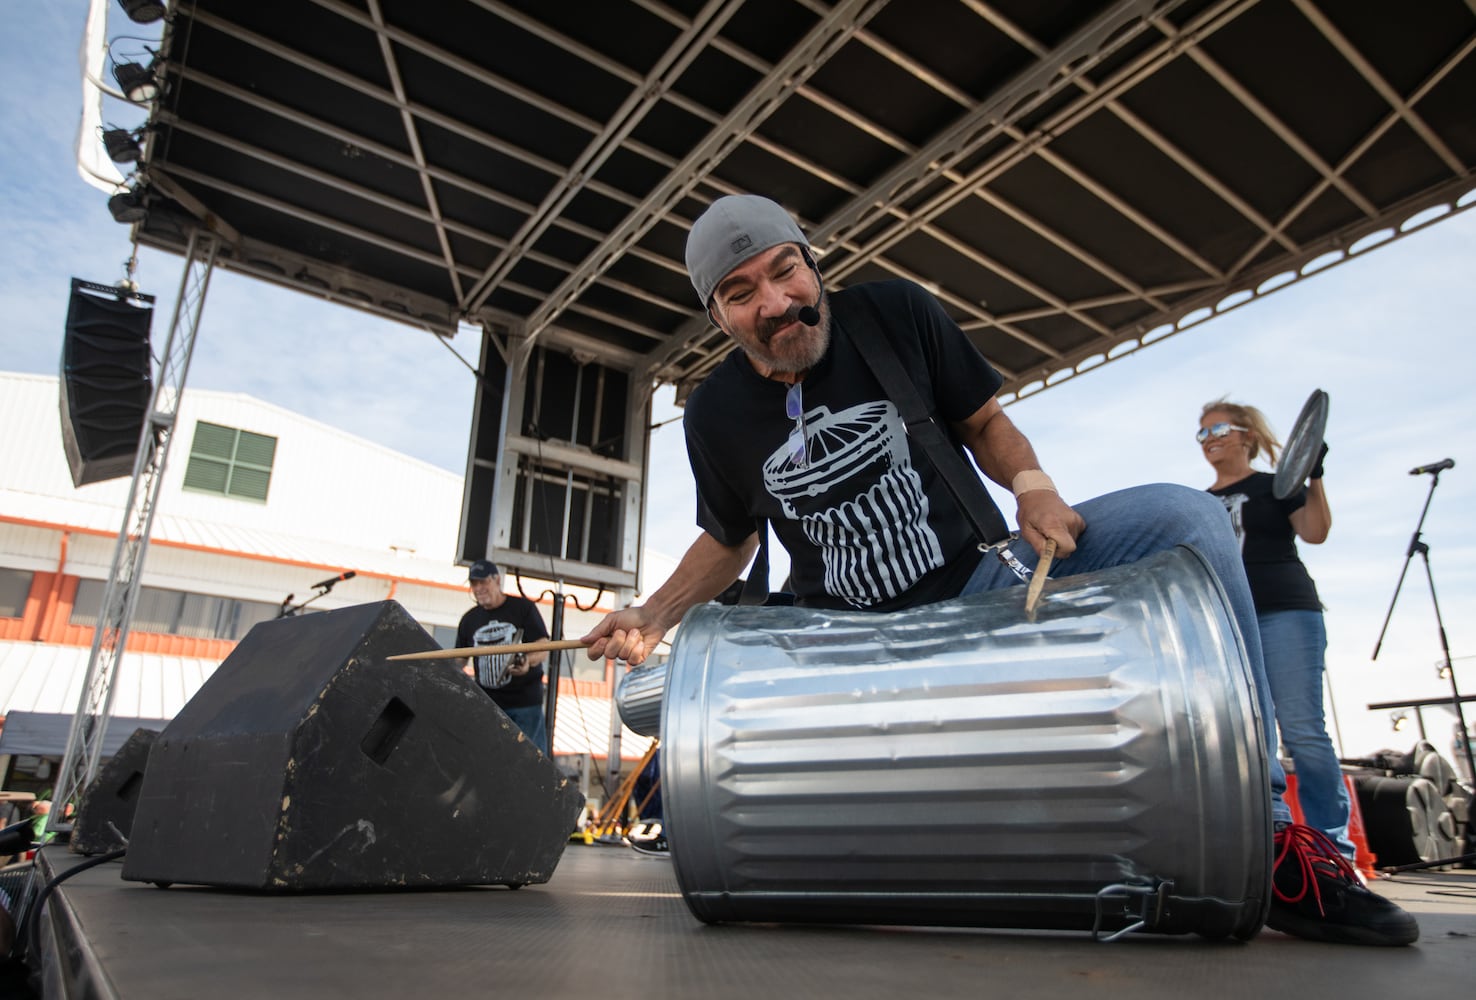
(37, 677)
(335, 499)
(85, 514)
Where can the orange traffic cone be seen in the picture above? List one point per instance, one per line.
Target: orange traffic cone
(1363, 858)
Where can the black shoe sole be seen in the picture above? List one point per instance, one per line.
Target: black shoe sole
(1321, 930)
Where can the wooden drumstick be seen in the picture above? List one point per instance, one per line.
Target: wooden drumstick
(1037, 582)
(540, 646)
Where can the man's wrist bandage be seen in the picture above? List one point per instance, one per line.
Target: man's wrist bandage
(1032, 479)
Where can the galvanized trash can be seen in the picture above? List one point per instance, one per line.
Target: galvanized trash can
(1100, 769)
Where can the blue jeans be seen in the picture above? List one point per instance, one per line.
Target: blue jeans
(1293, 643)
(1133, 524)
(529, 718)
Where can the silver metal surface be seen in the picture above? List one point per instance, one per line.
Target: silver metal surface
(638, 696)
(954, 765)
(1303, 446)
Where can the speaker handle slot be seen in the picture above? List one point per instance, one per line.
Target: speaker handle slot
(384, 735)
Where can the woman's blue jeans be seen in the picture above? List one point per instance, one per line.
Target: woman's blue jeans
(1135, 523)
(1293, 643)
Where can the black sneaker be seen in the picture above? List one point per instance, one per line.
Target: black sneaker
(655, 847)
(1317, 894)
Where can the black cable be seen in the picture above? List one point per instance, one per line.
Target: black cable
(543, 502)
(26, 932)
(593, 601)
(446, 343)
(1462, 859)
(144, 44)
(584, 728)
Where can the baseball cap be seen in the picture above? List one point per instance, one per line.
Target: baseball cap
(482, 569)
(733, 229)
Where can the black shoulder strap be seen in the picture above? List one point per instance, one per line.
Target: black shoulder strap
(858, 318)
(756, 587)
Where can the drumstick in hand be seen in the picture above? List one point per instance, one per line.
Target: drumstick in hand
(541, 646)
(1037, 582)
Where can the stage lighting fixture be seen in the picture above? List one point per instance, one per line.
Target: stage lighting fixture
(1399, 721)
(138, 83)
(128, 206)
(122, 145)
(143, 11)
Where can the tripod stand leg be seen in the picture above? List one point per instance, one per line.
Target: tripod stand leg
(1416, 545)
(1449, 669)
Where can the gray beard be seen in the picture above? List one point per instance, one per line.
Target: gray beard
(810, 358)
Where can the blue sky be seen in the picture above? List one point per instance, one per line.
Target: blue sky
(1387, 335)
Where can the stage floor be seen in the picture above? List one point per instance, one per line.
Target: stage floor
(611, 924)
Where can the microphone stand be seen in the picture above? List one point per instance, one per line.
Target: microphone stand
(1418, 546)
(288, 609)
(560, 598)
(555, 661)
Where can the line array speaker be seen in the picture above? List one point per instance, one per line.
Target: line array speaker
(106, 381)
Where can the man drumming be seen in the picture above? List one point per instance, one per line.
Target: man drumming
(887, 535)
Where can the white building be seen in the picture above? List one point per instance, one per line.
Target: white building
(257, 505)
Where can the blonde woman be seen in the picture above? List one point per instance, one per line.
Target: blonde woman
(1293, 637)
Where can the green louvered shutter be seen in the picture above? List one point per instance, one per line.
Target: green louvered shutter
(230, 462)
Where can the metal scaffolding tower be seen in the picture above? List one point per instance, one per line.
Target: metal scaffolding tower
(90, 723)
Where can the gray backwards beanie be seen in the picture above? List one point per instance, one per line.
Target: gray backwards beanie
(733, 229)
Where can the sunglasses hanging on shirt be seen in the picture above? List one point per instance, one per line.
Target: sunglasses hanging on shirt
(794, 409)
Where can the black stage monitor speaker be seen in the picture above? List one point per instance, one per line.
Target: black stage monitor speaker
(106, 381)
(1405, 819)
(307, 762)
(105, 813)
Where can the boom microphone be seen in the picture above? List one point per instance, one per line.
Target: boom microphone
(1440, 466)
(327, 584)
(808, 315)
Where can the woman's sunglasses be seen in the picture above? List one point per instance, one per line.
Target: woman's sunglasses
(1216, 431)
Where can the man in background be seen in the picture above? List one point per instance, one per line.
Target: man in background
(513, 680)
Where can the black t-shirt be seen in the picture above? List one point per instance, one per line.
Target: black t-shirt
(866, 519)
(1268, 543)
(517, 620)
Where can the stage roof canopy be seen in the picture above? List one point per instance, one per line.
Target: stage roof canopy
(1073, 179)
